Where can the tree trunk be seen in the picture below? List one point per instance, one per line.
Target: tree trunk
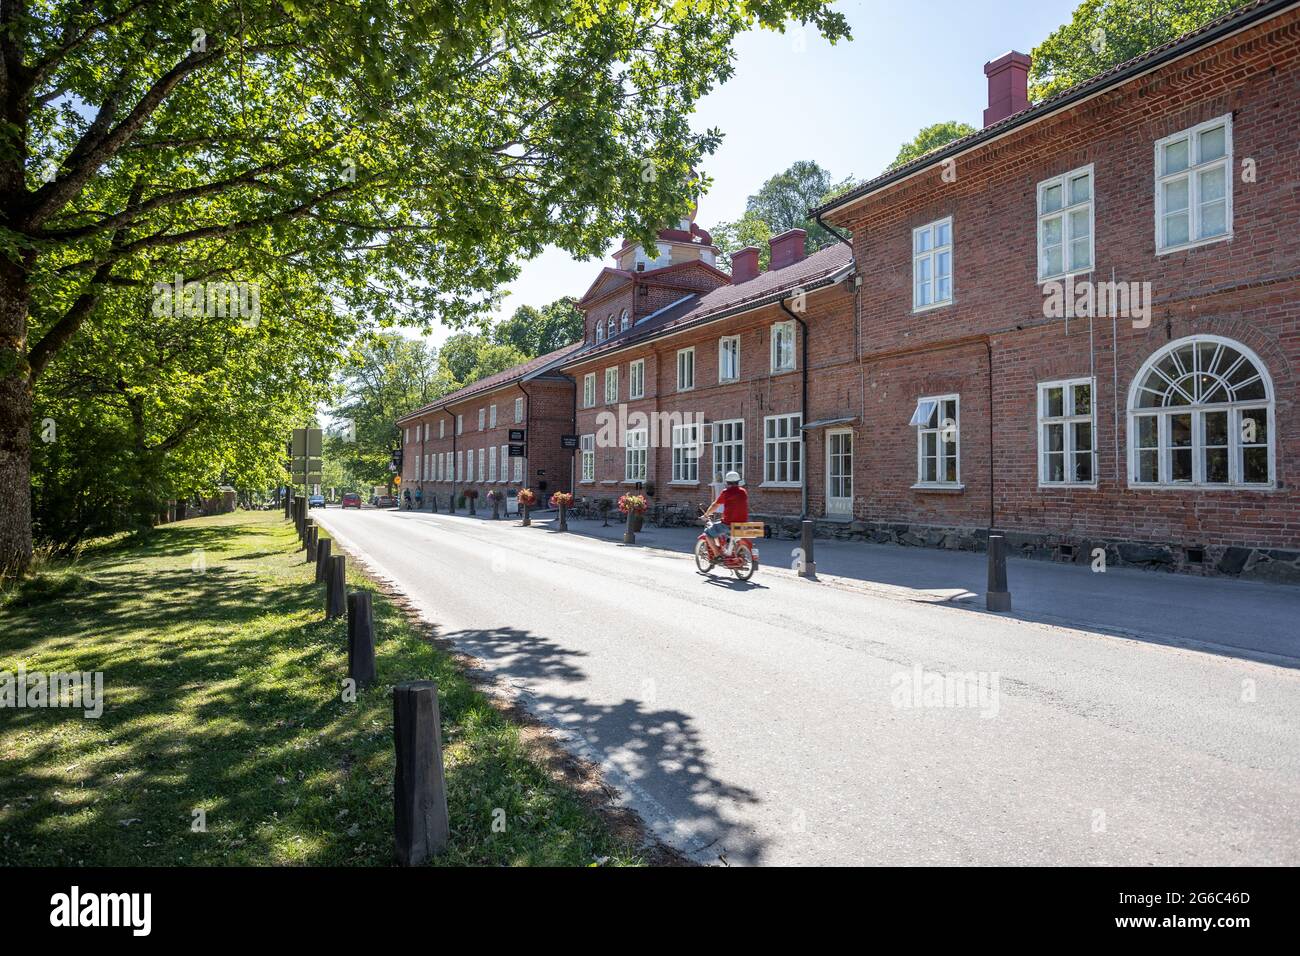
(15, 421)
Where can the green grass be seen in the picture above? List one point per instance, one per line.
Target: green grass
(222, 690)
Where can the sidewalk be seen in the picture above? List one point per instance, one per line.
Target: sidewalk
(1245, 619)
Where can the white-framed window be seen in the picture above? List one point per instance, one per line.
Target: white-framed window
(587, 446)
(492, 417)
(505, 463)
(932, 265)
(589, 390)
(729, 358)
(636, 379)
(482, 418)
(783, 450)
(626, 321)
(469, 465)
(1067, 432)
(482, 471)
(609, 330)
(519, 410)
(1194, 186)
(492, 463)
(460, 424)
(406, 433)
(937, 421)
(686, 453)
(460, 466)
(686, 369)
(519, 469)
(442, 466)
(783, 350)
(729, 448)
(611, 385)
(600, 331)
(442, 428)
(1065, 224)
(634, 455)
(1201, 414)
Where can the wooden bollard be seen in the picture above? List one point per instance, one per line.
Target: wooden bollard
(323, 547)
(420, 828)
(336, 587)
(312, 532)
(998, 598)
(361, 638)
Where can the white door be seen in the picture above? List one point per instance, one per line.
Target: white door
(839, 472)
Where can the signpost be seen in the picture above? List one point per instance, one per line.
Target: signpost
(305, 458)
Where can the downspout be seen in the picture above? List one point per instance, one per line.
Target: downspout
(803, 410)
(528, 429)
(454, 470)
(817, 217)
(988, 348)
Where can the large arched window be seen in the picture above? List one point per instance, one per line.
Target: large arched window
(625, 322)
(1201, 413)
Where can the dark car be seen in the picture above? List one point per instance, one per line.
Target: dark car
(316, 501)
(351, 500)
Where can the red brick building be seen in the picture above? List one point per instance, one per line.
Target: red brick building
(1079, 326)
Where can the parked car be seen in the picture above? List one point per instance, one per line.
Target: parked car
(316, 501)
(386, 501)
(352, 500)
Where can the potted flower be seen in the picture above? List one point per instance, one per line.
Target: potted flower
(526, 498)
(494, 498)
(470, 495)
(634, 507)
(561, 501)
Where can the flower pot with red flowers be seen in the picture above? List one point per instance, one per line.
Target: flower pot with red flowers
(634, 507)
(561, 501)
(471, 495)
(526, 498)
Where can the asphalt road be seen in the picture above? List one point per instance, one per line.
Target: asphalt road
(786, 721)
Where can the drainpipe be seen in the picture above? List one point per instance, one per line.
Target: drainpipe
(454, 473)
(817, 217)
(528, 428)
(988, 348)
(803, 410)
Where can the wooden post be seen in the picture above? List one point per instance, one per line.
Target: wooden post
(336, 587)
(322, 560)
(312, 532)
(421, 827)
(527, 521)
(998, 598)
(361, 638)
(808, 567)
(564, 518)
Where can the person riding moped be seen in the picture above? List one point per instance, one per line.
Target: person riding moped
(734, 502)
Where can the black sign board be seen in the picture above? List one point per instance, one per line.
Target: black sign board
(516, 434)
(568, 441)
(516, 451)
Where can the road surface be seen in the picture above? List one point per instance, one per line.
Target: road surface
(791, 722)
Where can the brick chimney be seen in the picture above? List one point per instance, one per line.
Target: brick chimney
(787, 248)
(744, 265)
(1008, 86)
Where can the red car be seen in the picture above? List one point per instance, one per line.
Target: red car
(352, 500)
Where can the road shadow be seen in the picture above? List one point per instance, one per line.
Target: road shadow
(653, 754)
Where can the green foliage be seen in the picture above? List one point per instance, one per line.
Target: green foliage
(541, 331)
(929, 139)
(782, 203)
(1103, 33)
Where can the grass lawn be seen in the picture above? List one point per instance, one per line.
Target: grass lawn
(222, 693)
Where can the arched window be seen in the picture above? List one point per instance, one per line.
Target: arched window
(626, 321)
(609, 334)
(600, 331)
(1201, 413)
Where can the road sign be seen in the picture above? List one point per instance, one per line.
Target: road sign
(568, 441)
(305, 456)
(516, 451)
(516, 434)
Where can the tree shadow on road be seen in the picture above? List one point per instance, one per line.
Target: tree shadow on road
(654, 755)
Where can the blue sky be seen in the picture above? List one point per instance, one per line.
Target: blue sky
(848, 106)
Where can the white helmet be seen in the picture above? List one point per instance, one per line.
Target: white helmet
(732, 477)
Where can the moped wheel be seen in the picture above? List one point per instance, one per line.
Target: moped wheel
(747, 564)
(702, 560)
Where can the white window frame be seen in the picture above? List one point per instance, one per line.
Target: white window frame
(729, 348)
(519, 468)
(728, 447)
(587, 459)
(1164, 444)
(932, 255)
(941, 432)
(469, 464)
(774, 438)
(1192, 173)
(687, 451)
(636, 379)
(505, 463)
(1065, 213)
(686, 362)
(1067, 420)
(492, 463)
(783, 359)
(600, 331)
(625, 322)
(519, 410)
(589, 390)
(611, 385)
(636, 454)
(482, 418)
(482, 472)
(460, 466)
(492, 416)
(442, 428)
(460, 424)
